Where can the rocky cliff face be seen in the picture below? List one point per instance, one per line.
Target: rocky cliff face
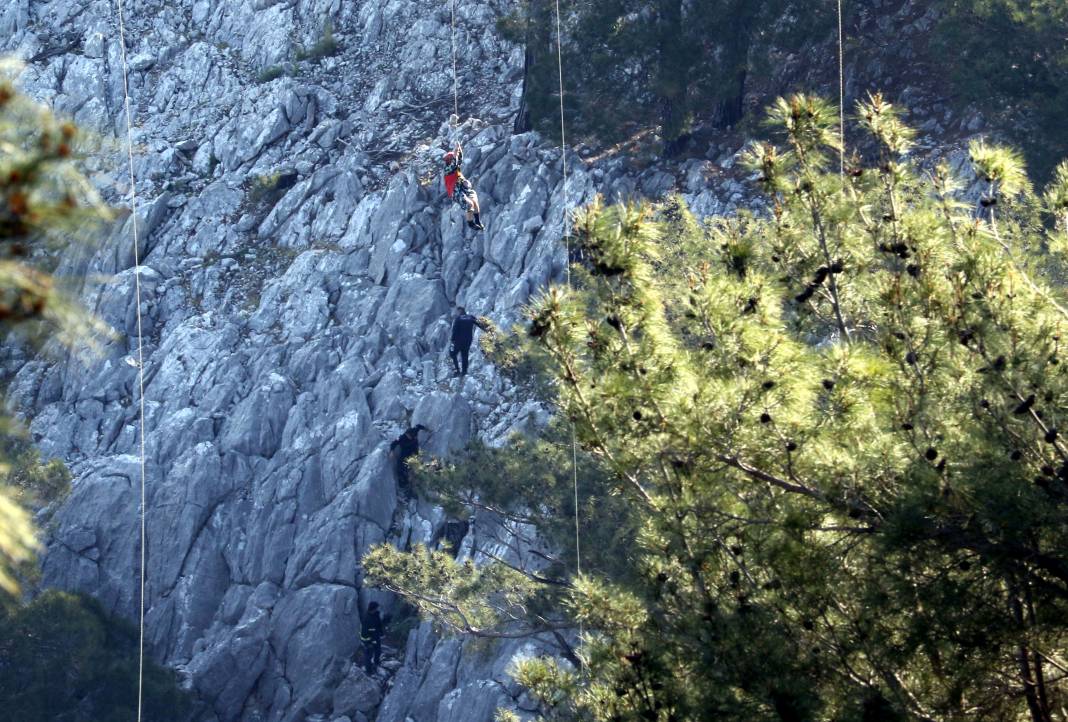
(299, 268)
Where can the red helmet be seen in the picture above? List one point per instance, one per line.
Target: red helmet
(449, 157)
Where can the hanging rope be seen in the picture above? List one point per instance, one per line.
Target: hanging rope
(140, 355)
(567, 241)
(841, 93)
(455, 81)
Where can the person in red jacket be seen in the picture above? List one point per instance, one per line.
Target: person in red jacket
(460, 189)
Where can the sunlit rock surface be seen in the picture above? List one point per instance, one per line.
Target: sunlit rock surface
(299, 267)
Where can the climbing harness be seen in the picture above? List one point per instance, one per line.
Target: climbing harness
(467, 198)
(567, 242)
(140, 354)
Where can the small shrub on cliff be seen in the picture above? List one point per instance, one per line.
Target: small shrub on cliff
(268, 74)
(32, 481)
(324, 47)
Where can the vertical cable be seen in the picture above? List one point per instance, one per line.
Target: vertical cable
(455, 81)
(841, 93)
(567, 241)
(140, 356)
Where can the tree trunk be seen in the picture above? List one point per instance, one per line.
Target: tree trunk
(672, 76)
(732, 109)
(737, 44)
(1030, 688)
(522, 122)
(674, 144)
(1040, 676)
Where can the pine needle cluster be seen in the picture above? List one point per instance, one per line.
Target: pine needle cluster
(44, 202)
(514, 579)
(838, 428)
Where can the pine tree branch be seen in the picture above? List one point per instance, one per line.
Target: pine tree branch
(573, 380)
(1040, 292)
(566, 649)
(753, 472)
(548, 581)
(1032, 413)
(957, 537)
(444, 608)
(821, 236)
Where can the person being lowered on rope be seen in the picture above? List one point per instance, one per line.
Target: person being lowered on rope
(463, 334)
(460, 189)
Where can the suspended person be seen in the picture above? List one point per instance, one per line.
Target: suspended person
(460, 189)
(463, 334)
(371, 636)
(405, 447)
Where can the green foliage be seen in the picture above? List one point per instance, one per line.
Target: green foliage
(32, 481)
(324, 47)
(44, 200)
(268, 74)
(1012, 54)
(632, 64)
(63, 658)
(513, 360)
(1056, 200)
(18, 542)
(842, 427)
(264, 189)
(528, 488)
(530, 482)
(489, 601)
(837, 431)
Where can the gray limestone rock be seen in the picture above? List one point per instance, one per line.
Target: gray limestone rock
(356, 694)
(291, 332)
(449, 418)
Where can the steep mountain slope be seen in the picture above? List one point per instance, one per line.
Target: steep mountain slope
(299, 269)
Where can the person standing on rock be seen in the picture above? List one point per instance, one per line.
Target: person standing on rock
(463, 334)
(371, 636)
(460, 189)
(405, 447)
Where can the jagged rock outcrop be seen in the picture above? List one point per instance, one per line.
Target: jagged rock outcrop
(298, 276)
(299, 267)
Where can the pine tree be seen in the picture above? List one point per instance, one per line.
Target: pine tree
(65, 659)
(633, 64)
(532, 24)
(44, 201)
(838, 429)
(523, 496)
(1012, 55)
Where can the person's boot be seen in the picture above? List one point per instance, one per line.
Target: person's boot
(471, 224)
(478, 223)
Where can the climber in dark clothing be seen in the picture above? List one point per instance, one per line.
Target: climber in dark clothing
(460, 189)
(371, 636)
(405, 447)
(463, 333)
